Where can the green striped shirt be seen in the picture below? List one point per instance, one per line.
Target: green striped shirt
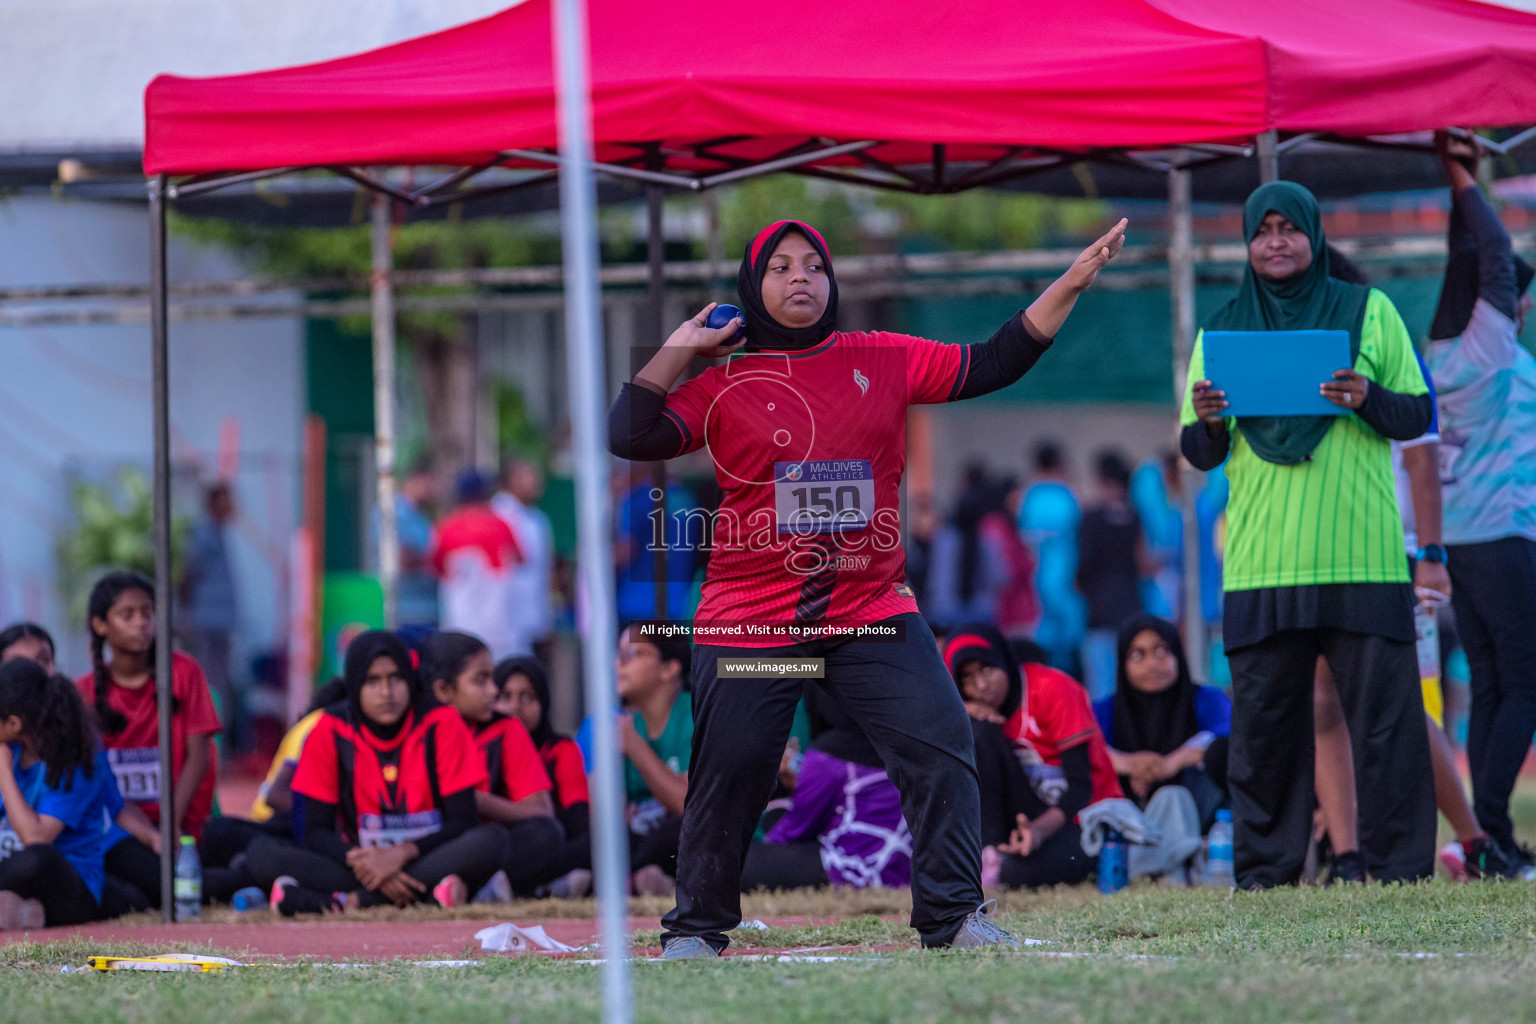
(1333, 519)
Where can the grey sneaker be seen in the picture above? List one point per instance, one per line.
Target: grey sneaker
(688, 947)
(978, 930)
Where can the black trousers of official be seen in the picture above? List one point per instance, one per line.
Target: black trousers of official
(906, 703)
(1270, 769)
(1494, 594)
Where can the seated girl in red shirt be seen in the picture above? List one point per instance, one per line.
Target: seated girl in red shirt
(388, 778)
(515, 794)
(1039, 755)
(523, 687)
(121, 689)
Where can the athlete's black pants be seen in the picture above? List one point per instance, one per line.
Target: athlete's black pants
(1270, 769)
(904, 700)
(474, 856)
(40, 872)
(1494, 594)
(1006, 793)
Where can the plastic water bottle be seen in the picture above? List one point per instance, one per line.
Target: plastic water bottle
(189, 881)
(1114, 873)
(1218, 853)
(247, 899)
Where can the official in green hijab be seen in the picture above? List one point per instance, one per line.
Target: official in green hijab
(1315, 565)
(1286, 287)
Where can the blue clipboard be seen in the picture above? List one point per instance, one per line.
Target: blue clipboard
(1275, 373)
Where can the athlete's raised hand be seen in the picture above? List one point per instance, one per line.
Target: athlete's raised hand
(1047, 313)
(702, 340)
(1096, 257)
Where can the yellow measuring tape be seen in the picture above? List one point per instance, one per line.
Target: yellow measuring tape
(186, 962)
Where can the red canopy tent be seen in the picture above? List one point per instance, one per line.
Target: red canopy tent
(698, 88)
(924, 95)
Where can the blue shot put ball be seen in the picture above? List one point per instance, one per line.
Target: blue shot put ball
(722, 315)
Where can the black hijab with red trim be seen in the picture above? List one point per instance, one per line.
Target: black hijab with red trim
(979, 641)
(763, 331)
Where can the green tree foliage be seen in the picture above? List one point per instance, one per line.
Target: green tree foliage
(113, 529)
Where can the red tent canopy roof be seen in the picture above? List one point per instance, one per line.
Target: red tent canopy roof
(979, 78)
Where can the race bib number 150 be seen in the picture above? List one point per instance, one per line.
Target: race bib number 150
(832, 495)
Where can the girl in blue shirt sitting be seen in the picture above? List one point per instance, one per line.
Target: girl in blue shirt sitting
(51, 831)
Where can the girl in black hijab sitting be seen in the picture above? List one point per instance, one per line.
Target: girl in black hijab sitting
(388, 778)
(1161, 728)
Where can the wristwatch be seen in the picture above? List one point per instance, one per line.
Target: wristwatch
(1431, 553)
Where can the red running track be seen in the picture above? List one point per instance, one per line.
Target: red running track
(346, 940)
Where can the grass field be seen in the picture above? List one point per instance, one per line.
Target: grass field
(1428, 953)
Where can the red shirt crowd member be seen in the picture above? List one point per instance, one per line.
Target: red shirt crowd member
(122, 691)
(389, 779)
(523, 692)
(476, 554)
(1051, 734)
(516, 791)
(807, 430)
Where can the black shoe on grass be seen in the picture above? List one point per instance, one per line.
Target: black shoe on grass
(1347, 867)
(1485, 861)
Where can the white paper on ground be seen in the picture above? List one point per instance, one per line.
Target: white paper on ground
(510, 938)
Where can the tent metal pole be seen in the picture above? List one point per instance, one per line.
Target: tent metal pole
(656, 287)
(164, 585)
(382, 307)
(1268, 144)
(584, 355)
(1181, 286)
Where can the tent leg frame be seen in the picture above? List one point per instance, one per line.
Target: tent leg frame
(164, 582)
(1181, 286)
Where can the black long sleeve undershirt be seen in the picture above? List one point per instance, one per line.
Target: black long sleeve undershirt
(322, 835)
(1003, 358)
(1203, 451)
(640, 430)
(1079, 772)
(1496, 283)
(1396, 416)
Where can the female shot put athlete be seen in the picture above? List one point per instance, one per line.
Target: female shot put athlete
(806, 425)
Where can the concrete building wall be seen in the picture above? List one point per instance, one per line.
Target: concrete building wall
(75, 403)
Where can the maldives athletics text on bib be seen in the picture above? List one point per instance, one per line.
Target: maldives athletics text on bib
(394, 829)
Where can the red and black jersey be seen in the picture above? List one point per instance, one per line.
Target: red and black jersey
(389, 791)
(809, 448)
(567, 770)
(514, 770)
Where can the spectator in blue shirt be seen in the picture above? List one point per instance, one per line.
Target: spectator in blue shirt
(51, 834)
(1160, 727)
(1048, 519)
